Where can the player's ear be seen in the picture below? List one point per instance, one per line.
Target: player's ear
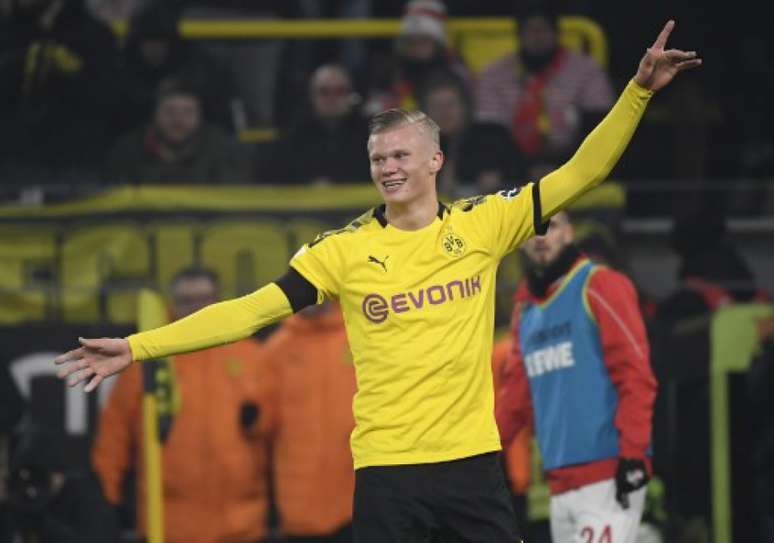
(436, 161)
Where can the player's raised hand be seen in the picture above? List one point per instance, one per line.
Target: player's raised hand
(95, 359)
(659, 65)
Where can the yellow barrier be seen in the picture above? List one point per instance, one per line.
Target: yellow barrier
(84, 261)
(475, 36)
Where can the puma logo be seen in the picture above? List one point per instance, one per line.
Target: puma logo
(382, 263)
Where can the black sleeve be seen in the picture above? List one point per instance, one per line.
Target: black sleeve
(540, 227)
(300, 292)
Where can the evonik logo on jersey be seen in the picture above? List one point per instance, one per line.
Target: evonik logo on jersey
(376, 307)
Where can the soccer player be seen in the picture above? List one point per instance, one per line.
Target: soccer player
(579, 372)
(415, 279)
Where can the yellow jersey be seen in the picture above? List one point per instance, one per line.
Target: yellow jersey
(419, 313)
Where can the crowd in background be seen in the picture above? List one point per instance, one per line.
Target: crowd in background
(81, 106)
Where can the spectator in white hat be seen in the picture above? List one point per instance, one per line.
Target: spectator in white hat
(421, 49)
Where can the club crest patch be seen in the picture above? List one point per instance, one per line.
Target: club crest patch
(453, 245)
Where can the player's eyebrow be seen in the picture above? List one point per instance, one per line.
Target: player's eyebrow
(391, 152)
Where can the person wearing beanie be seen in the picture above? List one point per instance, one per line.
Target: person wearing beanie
(424, 18)
(579, 373)
(421, 51)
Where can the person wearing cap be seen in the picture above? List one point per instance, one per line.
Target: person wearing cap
(421, 50)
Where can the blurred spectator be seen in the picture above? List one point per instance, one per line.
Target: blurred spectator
(177, 146)
(154, 51)
(760, 383)
(300, 57)
(57, 70)
(254, 64)
(215, 458)
(313, 472)
(712, 271)
(421, 49)
(479, 156)
(546, 95)
(326, 143)
(111, 11)
(52, 503)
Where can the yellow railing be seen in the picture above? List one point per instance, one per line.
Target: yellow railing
(479, 39)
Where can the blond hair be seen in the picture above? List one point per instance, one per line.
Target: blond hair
(394, 118)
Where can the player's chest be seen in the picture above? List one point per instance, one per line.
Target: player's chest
(400, 263)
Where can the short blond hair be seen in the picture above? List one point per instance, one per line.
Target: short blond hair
(394, 118)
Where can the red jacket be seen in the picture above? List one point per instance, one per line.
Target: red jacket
(517, 455)
(613, 302)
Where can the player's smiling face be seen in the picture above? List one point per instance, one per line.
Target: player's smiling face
(404, 163)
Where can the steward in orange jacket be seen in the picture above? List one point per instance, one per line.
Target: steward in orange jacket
(312, 462)
(215, 458)
(214, 467)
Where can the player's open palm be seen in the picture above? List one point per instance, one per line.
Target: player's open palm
(95, 359)
(659, 65)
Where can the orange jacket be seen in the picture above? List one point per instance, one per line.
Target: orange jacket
(517, 454)
(312, 462)
(214, 471)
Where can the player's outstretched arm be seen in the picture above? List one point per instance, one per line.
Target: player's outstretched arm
(602, 148)
(216, 324)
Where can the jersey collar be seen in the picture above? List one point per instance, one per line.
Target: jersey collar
(379, 213)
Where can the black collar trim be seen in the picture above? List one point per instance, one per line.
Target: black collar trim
(379, 213)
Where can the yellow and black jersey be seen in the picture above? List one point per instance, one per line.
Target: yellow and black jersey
(419, 311)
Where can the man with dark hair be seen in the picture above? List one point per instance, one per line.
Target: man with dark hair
(415, 279)
(579, 372)
(215, 457)
(177, 146)
(478, 156)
